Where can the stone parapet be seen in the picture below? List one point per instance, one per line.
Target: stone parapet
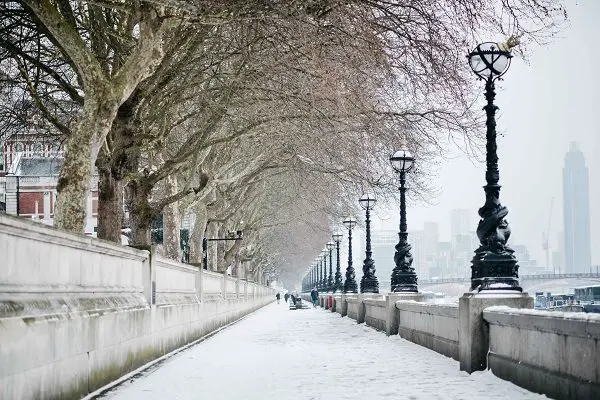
(77, 313)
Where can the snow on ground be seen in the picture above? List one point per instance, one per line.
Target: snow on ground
(282, 354)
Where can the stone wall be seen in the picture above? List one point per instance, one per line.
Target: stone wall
(553, 353)
(434, 326)
(354, 305)
(77, 313)
(556, 353)
(375, 313)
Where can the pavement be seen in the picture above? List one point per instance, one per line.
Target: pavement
(276, 353)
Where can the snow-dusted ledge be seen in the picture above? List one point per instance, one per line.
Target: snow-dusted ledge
(550, 352)
(77, 313)
(554, 353)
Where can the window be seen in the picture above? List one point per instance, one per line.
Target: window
(2, 157)
(37, 149)
(18, 147)
(55, 147)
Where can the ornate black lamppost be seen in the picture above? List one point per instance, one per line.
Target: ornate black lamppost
(318, 273)
(324, 258)
(404, 278)
(350, 285)
(368, 283)
(494, 266)
(330, 245)
(338, 284)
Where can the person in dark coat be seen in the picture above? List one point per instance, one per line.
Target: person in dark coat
(314, 295)
(286, 297)
(278, 296)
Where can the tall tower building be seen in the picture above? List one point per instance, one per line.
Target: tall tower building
(576, 213)
(460, 222)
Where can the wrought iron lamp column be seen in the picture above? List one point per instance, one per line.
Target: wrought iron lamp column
(330, 245)
(318, 273)
(323, 272)
(350, 285)
(369, 282)
(404, 278)
(494, 266)
(324, 257)
(338, 284)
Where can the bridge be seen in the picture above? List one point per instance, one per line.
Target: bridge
(84, 318)
(522, 278)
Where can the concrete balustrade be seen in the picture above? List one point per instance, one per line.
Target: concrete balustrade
(77, 313)
(553, 353)
(556, 353)
(353, 307)
(434, 326)
(375, 313)
(175, 282)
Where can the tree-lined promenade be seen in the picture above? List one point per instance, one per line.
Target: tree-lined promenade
(265, 117)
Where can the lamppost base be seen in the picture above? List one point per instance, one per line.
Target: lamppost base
(405, 289)
(404, 282)
(369, 284)
(350, 287)
(495, 270)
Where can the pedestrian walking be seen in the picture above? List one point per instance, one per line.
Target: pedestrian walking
(286, 297)
(278, 296)
(314, 295)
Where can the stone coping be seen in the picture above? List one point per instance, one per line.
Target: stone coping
(172, 264)
(375, 302)
(443, 310)
(213, 273)
(19, 227)
(584, 325)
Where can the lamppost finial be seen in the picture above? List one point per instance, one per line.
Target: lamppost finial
(512, 41)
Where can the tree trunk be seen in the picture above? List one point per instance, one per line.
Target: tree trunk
(231, 252)
(198, 231)
(237, 267)
(211, 232)
(220, 249)
(172, 222)
(113, 165)
(110, 206)
(140, 213)
(76, 172)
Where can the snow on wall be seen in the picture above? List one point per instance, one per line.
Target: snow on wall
(557, 353)
(77, 312)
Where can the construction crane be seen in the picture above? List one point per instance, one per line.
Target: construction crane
(546, 236)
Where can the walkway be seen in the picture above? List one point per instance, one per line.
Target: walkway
(280, 354)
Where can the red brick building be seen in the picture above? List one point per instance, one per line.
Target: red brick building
(28, 176)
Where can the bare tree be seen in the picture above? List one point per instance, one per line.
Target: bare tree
(275, 114)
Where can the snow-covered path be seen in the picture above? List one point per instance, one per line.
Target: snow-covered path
(280, 354)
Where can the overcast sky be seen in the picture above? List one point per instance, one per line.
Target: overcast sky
(543, 106)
